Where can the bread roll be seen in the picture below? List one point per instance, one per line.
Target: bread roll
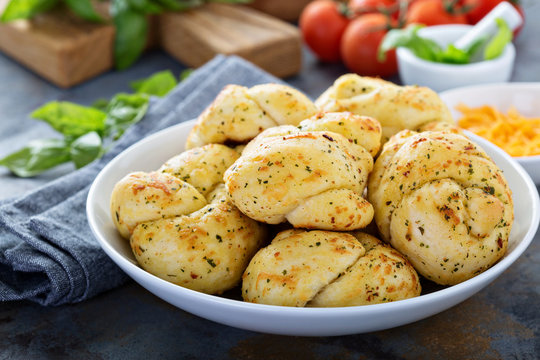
(141, 197)
(324, 268)
(201, 167)
(180, 224)
(313, 179)
(395, 107)
(238, 114)
(442, 202)
(206, 250)
(381, 275)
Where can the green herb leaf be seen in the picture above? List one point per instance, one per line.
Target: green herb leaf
(84, 9)
(124, 110)
(423, 48)
(71, 119)
(131, 33)
(427, 49)
(185, 4)
(396, 38)
(173, 5)
(36, 157)
(453, 55)
(25, 9)
(85, 149)
(496, 46)
(159, 84)
(185, 74)
(475, 46)
(145, 6)
(231, 1)
(101, 104)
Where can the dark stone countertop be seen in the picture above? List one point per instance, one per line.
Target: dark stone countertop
(500, 322)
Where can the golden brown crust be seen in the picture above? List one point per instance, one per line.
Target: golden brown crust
(395, 107)
(313, 179)
(238, 114)
(206, 250)
(295, 267)
(178, 234)
(201, 167)
(381, 275)
(141, 197)
(324, 268)
(360, 130)
(443, 203)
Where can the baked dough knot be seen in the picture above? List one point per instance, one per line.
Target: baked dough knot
(238, 113)
(395, 107)
(312, 176)
(443, 203)
(328, 269)
(180, 224)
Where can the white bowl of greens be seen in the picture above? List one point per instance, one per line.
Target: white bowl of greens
(437, 64)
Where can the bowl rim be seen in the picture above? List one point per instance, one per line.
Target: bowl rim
(478, 282)
(499, 86)
(409, 57)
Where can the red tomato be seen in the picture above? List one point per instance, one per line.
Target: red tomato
(480, 8)
(387, 7)
(322, 27)
(373, 6)
(360, 43)
(435, 12)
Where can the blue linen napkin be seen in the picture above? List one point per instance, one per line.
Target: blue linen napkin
(47, 251)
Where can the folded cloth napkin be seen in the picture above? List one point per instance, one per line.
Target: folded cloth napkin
(47, 252)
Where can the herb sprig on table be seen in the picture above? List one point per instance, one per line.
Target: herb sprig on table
(87, 130)
(130, 17)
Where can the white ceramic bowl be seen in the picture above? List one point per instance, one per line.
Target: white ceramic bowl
(151, 152)
(439, 76)
(523, 96)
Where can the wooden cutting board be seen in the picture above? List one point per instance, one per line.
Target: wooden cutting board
(288, 10)
(59, 46)
(67, 50)
(196, 36)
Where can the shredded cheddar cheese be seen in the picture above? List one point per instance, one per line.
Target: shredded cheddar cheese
(512, 132)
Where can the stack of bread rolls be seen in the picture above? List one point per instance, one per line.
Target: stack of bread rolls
(267, 155)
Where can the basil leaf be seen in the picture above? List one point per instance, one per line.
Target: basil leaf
(145, 6)
(71, 119)
(131, 33)
(85, 149)
(185, 74)
(475, 46)
(84, 9)
(158, 6)
(185, 4)
(173, 5)
(231, 1)
(25, 9)
(396, 38)
(159, 84)
(453, 55)
(124, 110)
(423, 48)
(496, 46)
(426, 49)
(36, 157)
(100, 104)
